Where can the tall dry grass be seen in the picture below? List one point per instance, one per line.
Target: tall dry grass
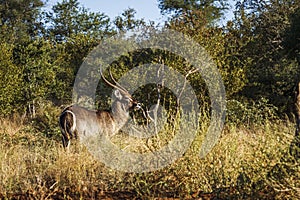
(247, 162)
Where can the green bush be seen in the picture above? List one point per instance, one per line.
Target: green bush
(248, 113)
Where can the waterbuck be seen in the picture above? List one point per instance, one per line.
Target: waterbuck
(76, 121)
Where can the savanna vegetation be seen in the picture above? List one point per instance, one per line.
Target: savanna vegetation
(258, 56)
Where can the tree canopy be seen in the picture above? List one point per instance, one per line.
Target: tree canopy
(257, 52)
(212, 10)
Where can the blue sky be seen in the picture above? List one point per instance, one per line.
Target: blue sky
(147, 9)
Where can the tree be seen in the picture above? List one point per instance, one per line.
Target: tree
(10, 80)
(272, 74)
(127, 20)
(292, 38)
(68, 18)
(212, 10)
(40, 64)
(19, 19)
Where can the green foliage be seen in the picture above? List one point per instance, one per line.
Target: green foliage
(292, 40)
(251, 113)
(225, 48)
(211, 9)
(46, 120)
(36, 69)
(39, 72)
(68, 18)
(50, 47)
(127, 20)
(272, 74)
(10, 80)
(20, 19)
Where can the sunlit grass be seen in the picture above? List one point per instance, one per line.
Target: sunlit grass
(240, 166)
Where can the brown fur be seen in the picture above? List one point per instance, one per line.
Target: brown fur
(76, 121)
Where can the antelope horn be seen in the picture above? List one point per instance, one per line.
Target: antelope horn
(117, 84)
(121, 89)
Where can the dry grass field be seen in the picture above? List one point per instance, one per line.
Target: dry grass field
(247, 163)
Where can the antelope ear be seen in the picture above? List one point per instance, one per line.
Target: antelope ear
(118, 94)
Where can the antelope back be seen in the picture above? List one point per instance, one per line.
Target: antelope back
(79, 122)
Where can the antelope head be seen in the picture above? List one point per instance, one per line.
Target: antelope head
(76, 121)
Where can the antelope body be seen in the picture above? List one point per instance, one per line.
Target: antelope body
(76, 121)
